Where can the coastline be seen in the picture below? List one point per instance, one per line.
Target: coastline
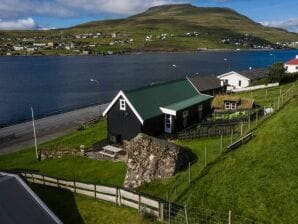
(219, 50)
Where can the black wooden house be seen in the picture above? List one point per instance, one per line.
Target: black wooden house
(156, 109)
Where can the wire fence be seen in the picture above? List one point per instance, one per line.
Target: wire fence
(177, 214)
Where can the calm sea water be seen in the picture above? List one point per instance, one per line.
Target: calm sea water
(57, 83)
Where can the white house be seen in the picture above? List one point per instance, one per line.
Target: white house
(292, 65)
(241, 79)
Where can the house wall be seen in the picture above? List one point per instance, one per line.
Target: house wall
(154, 126)
(193, 116)
(122, 123)
(291, 68)
(233, 79)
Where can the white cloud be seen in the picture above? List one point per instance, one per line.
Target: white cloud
(20, 24)
(74, 8)
(290, 25)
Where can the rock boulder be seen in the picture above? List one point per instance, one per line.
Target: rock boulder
(151, 158)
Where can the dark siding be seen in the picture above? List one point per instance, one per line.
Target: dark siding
(123, 123)
(193, 116)
(154, 126)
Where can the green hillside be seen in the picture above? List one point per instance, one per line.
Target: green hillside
(260, 179)
(185, 17)
(186, 28)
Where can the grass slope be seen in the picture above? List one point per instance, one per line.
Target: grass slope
(260, 178)
(72, 208)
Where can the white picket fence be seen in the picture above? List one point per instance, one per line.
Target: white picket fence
(255, 87)
(115, 195)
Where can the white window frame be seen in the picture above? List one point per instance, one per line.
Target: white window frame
(227, 105)
(122, 104)
(233, 106)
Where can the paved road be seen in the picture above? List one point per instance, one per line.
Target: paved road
(47, 128)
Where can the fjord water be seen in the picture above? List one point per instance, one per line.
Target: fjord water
(57, 83)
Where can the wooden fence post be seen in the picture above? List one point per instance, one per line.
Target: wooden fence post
(221, 145)
(161, 212)
(139, 203)
(186, 216)
(189, 172)
(205, 156)
(95, 191)
(231, 136)
(241, 132)
(169, 212)
(257, 114)
(119, 196)
(230, 217)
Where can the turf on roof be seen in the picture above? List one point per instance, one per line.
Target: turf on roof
(149, 99)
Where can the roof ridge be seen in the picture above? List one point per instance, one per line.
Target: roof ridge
(154, 85)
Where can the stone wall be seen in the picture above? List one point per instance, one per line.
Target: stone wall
(151, 158)
(53, 154)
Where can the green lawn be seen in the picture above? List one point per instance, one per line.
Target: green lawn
(92, 133)
(268, 100)
(166, 188)
(79, 168)
(75, 209)
(260, 178)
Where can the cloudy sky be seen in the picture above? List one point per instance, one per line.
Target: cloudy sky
(46, 14)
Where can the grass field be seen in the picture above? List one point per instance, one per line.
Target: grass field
(76, 209)
(94, 132)
(260, 178)
(78, 168)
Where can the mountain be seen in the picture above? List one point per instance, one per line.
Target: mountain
(179, 27)
(186, 17)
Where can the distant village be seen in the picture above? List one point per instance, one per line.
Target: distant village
(115, 43)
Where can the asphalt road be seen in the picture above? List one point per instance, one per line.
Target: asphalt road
(47, 128)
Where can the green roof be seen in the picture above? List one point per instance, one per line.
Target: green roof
(188, 102)
(178, 95)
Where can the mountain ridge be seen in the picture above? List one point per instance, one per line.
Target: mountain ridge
(177, 27)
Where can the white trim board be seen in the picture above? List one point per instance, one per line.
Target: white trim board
(168, 111)
(121, 93)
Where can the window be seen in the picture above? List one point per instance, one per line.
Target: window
(200, 108)
(296, 67)
(226, 81)
(227, 105)
(233, 106)
(239, 83)
(122, 104)
(185, 113)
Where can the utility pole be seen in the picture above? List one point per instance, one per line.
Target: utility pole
(34, 132)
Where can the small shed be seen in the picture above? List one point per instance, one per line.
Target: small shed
(232, 103)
